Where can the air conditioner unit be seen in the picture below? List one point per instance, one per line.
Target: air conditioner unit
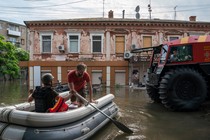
(61, 48)
(127, 55)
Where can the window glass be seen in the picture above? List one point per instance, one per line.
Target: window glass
(171, 38)
(180, 53)
(73, 43)
(97, 38)
(163, 54)
(46, 43)
(12, 39)
(97, 43)
(13, 27)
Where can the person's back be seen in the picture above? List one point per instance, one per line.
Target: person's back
(44, 98)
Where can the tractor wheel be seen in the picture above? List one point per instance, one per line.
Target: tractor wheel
(182, 90)
(153, 93)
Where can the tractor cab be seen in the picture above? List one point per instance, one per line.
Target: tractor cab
(180, 53)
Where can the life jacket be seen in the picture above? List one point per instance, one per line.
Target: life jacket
(42, 99)
(60, 106)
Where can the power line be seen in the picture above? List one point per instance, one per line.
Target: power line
(53, 11)
(67, 10)
(55, 5)
(184, 6)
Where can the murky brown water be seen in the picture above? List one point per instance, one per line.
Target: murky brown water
(151, 121)
(148, 120)
(13, 92)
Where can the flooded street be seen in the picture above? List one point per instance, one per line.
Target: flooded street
(148, 120)
(151, 121)
(12, 92)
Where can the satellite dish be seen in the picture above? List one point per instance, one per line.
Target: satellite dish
(137, 16)
(137, 8)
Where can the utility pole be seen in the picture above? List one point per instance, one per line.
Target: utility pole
(103, 8)
(149, 9)
(175, 12)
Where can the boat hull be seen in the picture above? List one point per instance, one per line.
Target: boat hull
(79, 124)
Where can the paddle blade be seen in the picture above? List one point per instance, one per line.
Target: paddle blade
(122, 127)
(118, 124)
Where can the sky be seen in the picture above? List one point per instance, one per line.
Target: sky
(18, 11)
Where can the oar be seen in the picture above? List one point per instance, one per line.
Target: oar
(118, 124)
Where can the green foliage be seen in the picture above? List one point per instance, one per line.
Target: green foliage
(10, 56)
(21, 54)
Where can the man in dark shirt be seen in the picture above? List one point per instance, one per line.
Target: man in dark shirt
(45, 97)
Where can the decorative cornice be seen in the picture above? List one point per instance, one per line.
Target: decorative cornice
(120, 24)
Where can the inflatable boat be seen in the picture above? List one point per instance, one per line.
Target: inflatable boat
(19, 122)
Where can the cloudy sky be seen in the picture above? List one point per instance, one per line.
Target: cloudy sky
(26, 10)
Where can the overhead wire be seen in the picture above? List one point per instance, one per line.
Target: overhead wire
(54, 5)
(54, 11)
(188, 8)
(51, 10)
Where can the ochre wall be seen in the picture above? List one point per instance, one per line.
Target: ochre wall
(70, 65)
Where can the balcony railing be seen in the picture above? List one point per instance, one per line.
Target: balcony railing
(14, 33)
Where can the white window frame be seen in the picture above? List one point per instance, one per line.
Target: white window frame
(102, 41)
(41, 47)
(74, 34)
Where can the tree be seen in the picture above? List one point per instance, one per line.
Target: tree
(21, 54)
(10, 56)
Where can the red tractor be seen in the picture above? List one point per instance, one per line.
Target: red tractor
(179, 72)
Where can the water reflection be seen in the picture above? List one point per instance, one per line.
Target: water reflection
(12, 92)
(151, 121)
(148, 120)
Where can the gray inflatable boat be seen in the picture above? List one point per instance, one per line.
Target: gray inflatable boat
(20, 123)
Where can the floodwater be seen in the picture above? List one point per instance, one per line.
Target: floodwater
(148, 120)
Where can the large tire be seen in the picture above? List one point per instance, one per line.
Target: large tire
(153, 93)
(183, 89)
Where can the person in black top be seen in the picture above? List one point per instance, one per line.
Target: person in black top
(45, 97)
